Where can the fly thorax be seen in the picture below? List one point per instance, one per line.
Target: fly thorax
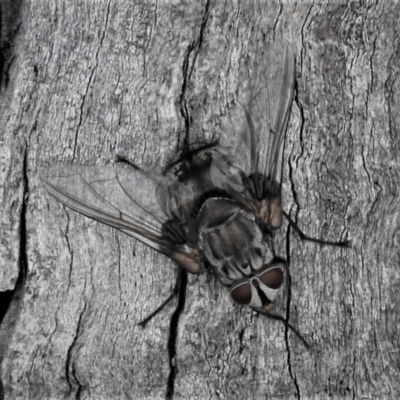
(230, 239)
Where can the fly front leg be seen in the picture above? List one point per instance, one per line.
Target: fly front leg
(286, 323)
(123, 160)
(303, 236)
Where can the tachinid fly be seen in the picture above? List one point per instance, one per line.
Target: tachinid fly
(217, 205)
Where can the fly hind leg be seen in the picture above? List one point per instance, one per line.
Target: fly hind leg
(303, 236)
(178, 291)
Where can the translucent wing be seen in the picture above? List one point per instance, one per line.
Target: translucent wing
(255, 129)
(120, 197)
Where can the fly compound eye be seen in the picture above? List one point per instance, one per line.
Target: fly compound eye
(272, 278)
(241, 293)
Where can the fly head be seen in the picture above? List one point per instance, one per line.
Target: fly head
(261, 289)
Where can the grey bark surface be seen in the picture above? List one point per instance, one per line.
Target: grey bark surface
(92, 79)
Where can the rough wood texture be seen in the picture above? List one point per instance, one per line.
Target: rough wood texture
(92, 79)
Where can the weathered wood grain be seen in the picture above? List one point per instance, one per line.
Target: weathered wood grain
(92, 79)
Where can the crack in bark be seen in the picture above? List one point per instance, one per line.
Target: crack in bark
(364, 162)
(23, 257)
(5, 300)
(7, 296)
(389, 83)
(303, 48)
(241, 334)
(288, 303)
(119, 268)
(371, 64)
(70, 371)
(277, 18)
(71, 262)
(201, 35)
(370, 87)
(182, 99)
(181, 285)
(301, 135)
(193, 46)
(90, 82)
(9, 26)
(289, 276)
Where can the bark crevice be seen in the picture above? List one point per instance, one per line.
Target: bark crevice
(187, 71)
(181, 285)
(90, 81)
(7, 296)
(9, 27)
(70, 369)
(174, 330)
(288, 305)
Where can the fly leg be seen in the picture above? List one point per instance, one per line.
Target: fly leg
(144, 322)
(286, 323)
(180, 285)
(303, 236)
(193, 154)
(122, 159)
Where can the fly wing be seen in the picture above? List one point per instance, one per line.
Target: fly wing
(124, 199)
(280, 79)
(255, 129)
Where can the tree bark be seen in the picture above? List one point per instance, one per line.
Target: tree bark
(92, 79)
